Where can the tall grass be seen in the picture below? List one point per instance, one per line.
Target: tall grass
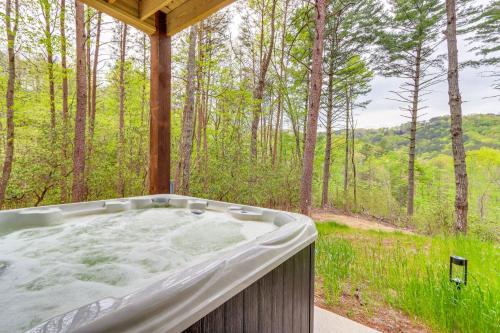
(410, 272)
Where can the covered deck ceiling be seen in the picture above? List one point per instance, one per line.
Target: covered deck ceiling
(141, 13)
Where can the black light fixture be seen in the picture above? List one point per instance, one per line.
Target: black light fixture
(456, 277)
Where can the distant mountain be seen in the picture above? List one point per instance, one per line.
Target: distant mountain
(433, 136)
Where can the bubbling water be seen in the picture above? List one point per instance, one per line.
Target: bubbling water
(51, 270)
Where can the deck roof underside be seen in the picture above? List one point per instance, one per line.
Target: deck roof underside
(140, 13)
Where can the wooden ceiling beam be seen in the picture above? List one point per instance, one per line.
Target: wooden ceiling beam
(110, 7)
(147, 8)
(180, 13)
(191, 12)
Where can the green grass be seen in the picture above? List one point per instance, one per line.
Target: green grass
(410, 272)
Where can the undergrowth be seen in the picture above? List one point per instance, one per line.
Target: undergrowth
(410, 272)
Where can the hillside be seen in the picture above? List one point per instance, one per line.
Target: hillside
(433, 136)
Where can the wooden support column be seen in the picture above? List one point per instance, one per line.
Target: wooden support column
(160, 105)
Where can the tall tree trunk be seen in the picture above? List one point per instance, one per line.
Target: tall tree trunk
(206, 104)
(346, 156)
(88, 27)
(11, 30)
(65, 111)
(258, 93)
(140, 152)
(199, 98)
(50, 69)
(186, 147)
(282, 74)
(314, 101)
(78, 188)
(306, 107)
(413, 135)
(353, 160)
(121, 144)
(328, 146)
(296, 134)
(457, 140)
(93, 101)
(92, 107)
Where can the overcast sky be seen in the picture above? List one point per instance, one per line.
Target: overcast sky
(475, 87)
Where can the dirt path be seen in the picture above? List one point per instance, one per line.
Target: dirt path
(354, 221)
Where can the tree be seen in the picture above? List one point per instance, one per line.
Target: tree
(349, 32)
(65, 109)
(186, 147)
(78, 188)
(92, 71)
(121, 123)
(11, 28)
(314, 101)
(408, 45)
(329, 133)
(486, 37)
(264, 59)
(354, 82)
(46, 7)
(457, 139)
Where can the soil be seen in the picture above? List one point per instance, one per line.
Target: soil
(377, 315)
(356, 221)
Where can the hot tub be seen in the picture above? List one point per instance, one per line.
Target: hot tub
(163, 263)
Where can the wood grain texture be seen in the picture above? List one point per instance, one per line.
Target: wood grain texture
(140, 14)
(124, 11)
(281, 301)
(251, 308)
(191, 12)
(288, 292)
(312, 256)
(233, 314)
(160, 106)
(277, 301)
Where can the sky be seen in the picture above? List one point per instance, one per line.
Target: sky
(475, 87)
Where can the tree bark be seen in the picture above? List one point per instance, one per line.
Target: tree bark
(140, 152)
(121, 144)
(413, 135)
(346, 142)
(78, 188)
(88, 27)
(200, 88)
(353, 160)
(282, 74)
(328, 147)
(11, 30)
(314, 101)
(258, 93)
(50, 69)
(93, 101)
(186, 147)
(64, 146)
(457, 140)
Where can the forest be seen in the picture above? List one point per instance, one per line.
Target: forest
(241, 103)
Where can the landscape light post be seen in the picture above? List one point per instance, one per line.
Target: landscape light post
(455, 276)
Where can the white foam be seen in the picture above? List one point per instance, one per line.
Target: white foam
(51, 270)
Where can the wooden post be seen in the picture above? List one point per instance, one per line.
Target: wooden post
(160, 105)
